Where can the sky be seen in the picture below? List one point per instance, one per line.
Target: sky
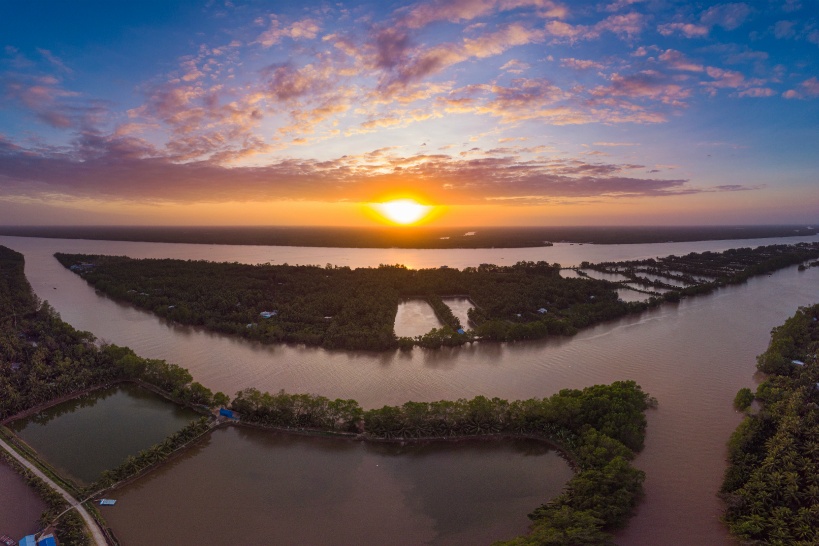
(495, 112)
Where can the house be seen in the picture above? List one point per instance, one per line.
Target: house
(797, 362)
(461, 331)
(542, 310)
(268, 314)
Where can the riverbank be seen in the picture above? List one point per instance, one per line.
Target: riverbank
(410, 238)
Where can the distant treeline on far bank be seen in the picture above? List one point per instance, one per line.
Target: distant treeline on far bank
(414, 237)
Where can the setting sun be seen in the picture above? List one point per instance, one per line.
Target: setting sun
(403, 211)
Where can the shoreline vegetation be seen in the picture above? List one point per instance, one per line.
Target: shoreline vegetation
(599, 428)
(354, 309)
(771, 486)
(416, 237)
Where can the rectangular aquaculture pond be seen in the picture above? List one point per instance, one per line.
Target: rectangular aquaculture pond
(82, 437)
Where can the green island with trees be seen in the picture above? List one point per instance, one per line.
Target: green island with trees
(599, 429)
(354, 309)
(771, 487)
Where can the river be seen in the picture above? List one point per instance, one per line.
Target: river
(692, 356)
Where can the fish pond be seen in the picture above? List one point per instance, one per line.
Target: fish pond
(249, 486)
(82, 437)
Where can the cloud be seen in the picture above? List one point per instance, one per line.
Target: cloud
(724, 79)
(784, 29)
(515, 67)
(811, 87)
(728, 16)
(757, 92)
(621, 4)
(122, 170)
(616, 144)
(46, 98)
(646, 84)
(457, 11)
(625, 26)
(405, 68)
(677, 61)
(689, 30)
(305, 29)
(55, 61)
(580, 64)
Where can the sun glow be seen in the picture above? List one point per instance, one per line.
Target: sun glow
(402, 211)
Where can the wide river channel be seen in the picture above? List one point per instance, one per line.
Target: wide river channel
(692, 356)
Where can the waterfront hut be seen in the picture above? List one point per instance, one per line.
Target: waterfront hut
(107, 502)
(28, 540)
(461, 331)
(224, 412)
(6, 540)
(47, 540)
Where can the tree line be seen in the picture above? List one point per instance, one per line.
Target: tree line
(771, 486)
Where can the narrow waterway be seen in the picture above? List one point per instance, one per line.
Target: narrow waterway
(692, 357)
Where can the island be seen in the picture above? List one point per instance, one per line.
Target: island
(354, 309)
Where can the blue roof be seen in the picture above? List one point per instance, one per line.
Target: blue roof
(27, 541)
(47, 540)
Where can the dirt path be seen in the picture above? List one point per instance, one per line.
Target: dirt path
(97, 537)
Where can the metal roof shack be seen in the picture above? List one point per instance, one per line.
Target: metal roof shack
(6, 540)
(47, 540)
(28, 541)
(224, 412)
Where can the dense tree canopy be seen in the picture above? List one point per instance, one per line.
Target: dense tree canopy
(771, 487)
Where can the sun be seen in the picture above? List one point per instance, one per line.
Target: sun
(403, 211)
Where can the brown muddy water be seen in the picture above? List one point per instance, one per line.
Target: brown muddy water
(692, 356)
(249, 486)
(415, 318)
